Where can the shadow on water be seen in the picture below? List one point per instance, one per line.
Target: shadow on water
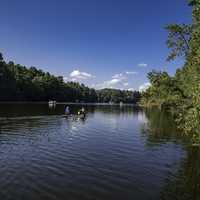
(184, 184)
(159, 127)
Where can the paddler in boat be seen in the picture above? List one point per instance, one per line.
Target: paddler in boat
(82, 112)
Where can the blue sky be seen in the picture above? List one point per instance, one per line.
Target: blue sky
(102, 43)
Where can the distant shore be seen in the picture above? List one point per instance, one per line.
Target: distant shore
(71, 103)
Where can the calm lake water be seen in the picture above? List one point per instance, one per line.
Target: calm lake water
(115, 153)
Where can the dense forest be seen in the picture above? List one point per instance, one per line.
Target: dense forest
(180, 93)
(19, 83)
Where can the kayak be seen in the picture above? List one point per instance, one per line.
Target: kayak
(80, 116)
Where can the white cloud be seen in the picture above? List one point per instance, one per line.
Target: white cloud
(142, 65)
(118, 81)
(118, 76)
(130, 89)
(78, 75)
(65, 79)
(113, 83)
(144, 86)
(124, 75)
(126, 84)
(129, 72)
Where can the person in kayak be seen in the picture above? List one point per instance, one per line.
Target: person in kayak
(82, 111)
(67, 111)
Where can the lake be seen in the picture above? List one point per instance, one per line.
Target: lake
(114, 153)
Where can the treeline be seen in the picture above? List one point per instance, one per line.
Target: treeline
(117, 96)
(180, 93)
(19, 83)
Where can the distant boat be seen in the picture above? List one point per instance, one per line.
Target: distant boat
(52, 102)
(111, 103)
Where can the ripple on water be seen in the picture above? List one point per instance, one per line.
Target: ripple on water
(104, 157)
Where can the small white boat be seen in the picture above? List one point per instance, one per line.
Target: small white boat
(52, 102)
(111, 103)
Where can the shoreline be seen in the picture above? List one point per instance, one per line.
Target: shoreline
(70, 103)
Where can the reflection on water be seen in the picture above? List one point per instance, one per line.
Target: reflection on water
(186, 183)
(114, 153)
(159, 127)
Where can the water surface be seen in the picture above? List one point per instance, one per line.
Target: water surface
(114, 153)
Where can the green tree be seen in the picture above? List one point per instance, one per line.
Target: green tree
(19, 83)
(181, 92)
(178, 40)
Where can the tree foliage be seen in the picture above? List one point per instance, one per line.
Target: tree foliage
(181, 92)
(19, 83)
(117, 96)
(1, 56)
(178, 40)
